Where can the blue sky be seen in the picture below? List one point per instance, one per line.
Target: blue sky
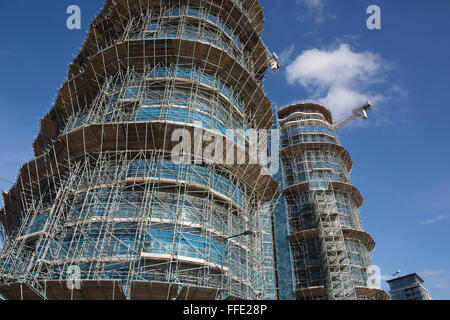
(400, 153)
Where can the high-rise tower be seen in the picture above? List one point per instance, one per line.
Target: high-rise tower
(409, 287)
(330, 249)
(104, 203)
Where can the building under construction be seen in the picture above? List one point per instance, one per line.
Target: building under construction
(330, 250)
(408, 287)
(103, 211)
(102, 194)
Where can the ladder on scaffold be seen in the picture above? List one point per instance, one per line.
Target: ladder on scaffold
(13, 258)
(338, 277)
(120, 173)
(53, 227)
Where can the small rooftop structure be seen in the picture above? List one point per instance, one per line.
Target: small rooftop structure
(407, 276)
(408, 287)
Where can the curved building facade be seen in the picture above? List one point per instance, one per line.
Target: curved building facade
(104, 205)
(330, 249)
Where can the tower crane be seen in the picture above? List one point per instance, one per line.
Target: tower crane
(274, 61)
(360, 112)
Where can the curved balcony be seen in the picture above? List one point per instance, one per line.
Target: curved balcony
(97, 37)
(190, 174)
(351, 190)
(297, 130)
(165, 172)
(125, 247)
(187, 209)
(307, 221)
(307, 106)
(166, 114)
(349, 234)
(314, 160)
(309, 264)
(69, 101)
(95, 138)
(304, 122)
(303, 116)
(317, 176)
(363, 293)
(196, 76)
(307, 138)
(296, 151)
(196, 34)
(157, 250)
(229, 10)
(202, 15)
(92, 206)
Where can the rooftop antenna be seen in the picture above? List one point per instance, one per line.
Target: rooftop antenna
(397, 274)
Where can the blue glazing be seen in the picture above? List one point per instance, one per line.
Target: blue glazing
(201, 15)
(196, 34)
(199, 76)
(38, 224)
(284, 263)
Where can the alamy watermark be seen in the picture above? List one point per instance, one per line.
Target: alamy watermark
(74, 278)
(73, 22)
(373, 277)
(238, 146)
(374, 21)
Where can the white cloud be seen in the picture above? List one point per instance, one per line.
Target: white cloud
(385, 277)
(340, 67)
(443, 284)
(286, 54)
(312, 3)
(340, 78)
(342, 100)
(431, 273)
(435, 220)
(315, 9)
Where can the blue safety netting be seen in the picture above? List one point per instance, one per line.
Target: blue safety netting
(179, 107)
(196, 34)
(159, 239)
(270, 285)
(315, 177)
(124, 244)
(308, 129)
(161, 205)
(284, 270)
(185, 245)
(38, 224)
(302, 205)
(190, 173)
(202, 15)
(199, 76)
(304, 138)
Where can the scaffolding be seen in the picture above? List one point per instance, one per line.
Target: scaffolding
(103, 196)
(330, 249)
(284, 271)
(136, 216)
